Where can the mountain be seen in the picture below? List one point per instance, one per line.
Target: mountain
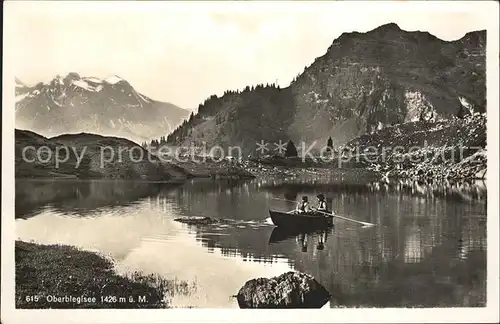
(364, 82)
(88, 156)
(108, 106)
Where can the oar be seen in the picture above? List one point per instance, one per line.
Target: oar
(338, 216)
(347, 219)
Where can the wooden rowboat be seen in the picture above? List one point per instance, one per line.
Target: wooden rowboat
(299, 221)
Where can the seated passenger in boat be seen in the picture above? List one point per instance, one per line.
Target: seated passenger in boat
(303, 206)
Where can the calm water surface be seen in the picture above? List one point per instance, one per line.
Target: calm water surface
(427, 249)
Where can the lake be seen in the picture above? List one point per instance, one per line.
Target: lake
(428, 247)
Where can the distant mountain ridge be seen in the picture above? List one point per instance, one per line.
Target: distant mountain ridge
(364, 82)
(109, 106)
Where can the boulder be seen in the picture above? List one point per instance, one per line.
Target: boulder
(289, 290)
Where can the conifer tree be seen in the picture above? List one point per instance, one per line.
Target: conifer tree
(329, 144)
(291, 150)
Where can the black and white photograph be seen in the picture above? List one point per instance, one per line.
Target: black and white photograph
(331, 158)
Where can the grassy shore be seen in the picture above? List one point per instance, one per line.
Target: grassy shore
(59, 276)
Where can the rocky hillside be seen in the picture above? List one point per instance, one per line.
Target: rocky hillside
(453, 149)
(108, 106)
(89, 156)
(364, 82)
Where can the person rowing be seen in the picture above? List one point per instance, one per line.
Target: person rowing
(321, 203)
(303, 206)
(322, 206)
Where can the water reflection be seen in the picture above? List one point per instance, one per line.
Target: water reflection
(428, 248)
(464, 190)
(280, 234)
(81, 197)
(304, 238)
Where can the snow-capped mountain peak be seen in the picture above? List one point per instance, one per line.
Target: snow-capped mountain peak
(75, 103)
(113, 79)
(92, 80)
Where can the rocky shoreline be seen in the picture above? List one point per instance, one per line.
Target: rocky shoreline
(217, 170)
(452, 149)
(473, 167)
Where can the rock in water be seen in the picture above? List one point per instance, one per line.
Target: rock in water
(196, 220)
(289, 290)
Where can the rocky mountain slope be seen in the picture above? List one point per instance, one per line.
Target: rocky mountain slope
(363, 83)
(453, 149)
(88, 156)
(110, 107)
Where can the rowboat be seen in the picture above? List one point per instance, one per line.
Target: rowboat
(300, 221)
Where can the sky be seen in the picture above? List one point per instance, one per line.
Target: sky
(184, 52)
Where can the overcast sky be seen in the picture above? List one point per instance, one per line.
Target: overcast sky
(183, 53)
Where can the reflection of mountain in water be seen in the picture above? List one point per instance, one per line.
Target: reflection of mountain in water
(424, 251)
(407, 263)
(82, 197)
(404, 261)
(222, 199)
(469, 191)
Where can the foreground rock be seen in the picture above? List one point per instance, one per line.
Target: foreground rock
(289, 290)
